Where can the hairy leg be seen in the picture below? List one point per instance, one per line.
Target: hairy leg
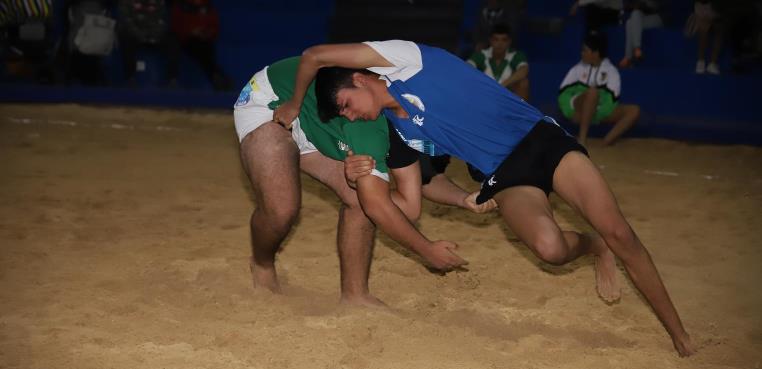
(355, 233)
(271, 161)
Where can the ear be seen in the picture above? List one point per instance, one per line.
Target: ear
(358, 79)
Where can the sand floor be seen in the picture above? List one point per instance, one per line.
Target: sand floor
(124, 244)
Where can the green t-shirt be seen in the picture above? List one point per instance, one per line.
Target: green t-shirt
(499, 70)
(334, 138)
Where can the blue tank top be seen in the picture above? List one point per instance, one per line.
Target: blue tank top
(455, 109)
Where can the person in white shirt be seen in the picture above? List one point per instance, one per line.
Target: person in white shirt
(590, 91)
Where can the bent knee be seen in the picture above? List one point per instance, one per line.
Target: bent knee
(551, 248)
(621, 238)
(279, 216)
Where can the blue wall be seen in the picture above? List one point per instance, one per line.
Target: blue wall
(675, 102)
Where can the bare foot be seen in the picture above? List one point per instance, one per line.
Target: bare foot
(264, 277)
(366, 300)
(605, 272)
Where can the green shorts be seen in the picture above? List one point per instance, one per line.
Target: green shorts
(606, 103)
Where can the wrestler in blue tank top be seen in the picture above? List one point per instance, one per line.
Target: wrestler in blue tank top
(453, 108)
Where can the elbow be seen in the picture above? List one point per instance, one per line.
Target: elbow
(310, 54)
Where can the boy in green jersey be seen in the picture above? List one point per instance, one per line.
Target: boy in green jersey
(504, 64)
(272, 157)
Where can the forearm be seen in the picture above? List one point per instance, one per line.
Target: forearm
(308, 67)
(517, 76)
(409, 207)
(378, 205)
(442, 190)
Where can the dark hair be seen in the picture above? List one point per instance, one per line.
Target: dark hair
(596, 41)
(501, 29)
(328, 82)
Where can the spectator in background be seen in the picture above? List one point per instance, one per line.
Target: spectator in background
(503, 63)
(143, 24)
(495, 12)
(645, 15)
(598, 13)
(196, 25)
(28, 44)
(743, 20)
(705, 19)
(590, 92)
(90, 37)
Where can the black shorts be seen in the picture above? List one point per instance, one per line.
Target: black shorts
(432, 166)
(532, 162)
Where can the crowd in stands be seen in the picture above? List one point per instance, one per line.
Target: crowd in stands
(79, 42)
(90, 31)
(589, 94)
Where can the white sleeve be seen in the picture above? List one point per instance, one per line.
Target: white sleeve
(404, 55)
(614, 83)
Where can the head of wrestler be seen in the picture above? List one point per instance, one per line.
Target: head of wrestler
(350, 93)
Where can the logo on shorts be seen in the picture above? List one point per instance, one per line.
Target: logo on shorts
(343, 146)
(245, 96)
(491, 181)
(418, 120)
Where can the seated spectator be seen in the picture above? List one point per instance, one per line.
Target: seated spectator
(91, 35)
(196, 25)
(706, 19)
(495, 12)
(645, 15)
(143, 25)
(598, 13)
(590, 93)
(503, 63)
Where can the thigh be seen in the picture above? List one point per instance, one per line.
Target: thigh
(578, 181)
(526, 210)
(329, 172)
(271, 161)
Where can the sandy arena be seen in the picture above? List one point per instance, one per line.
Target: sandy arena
(124, 244)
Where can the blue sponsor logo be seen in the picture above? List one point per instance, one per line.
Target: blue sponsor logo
(245, 96)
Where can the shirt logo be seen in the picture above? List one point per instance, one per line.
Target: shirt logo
(415, 100)
(418, 120)
(491, 181)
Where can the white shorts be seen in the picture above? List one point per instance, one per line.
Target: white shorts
(251, 111)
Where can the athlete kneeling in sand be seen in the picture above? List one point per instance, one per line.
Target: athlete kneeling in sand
(272, 156)
(438, 104)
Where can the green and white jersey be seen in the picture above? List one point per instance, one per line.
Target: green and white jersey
(605, 77)
(499, 70)
(334, 138)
